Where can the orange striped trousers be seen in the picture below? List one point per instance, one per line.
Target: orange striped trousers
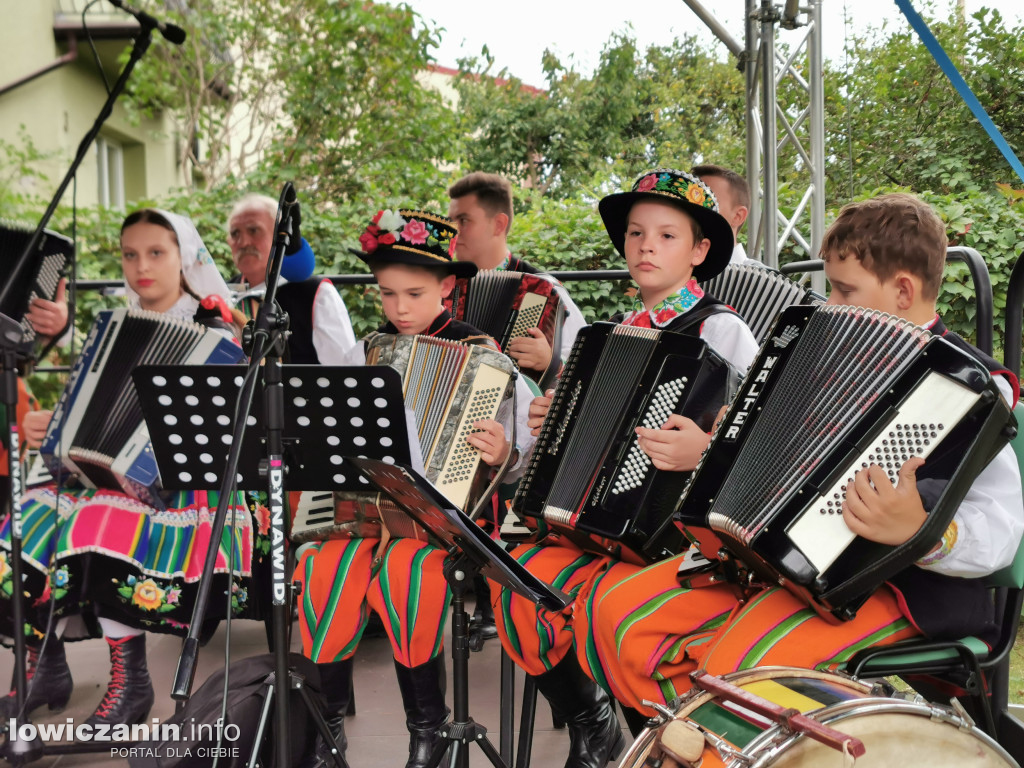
(649, 632)
(536, 638)
(340, 583)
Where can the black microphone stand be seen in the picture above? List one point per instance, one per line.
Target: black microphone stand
(10, 340)
(267, 338)
(16, 750)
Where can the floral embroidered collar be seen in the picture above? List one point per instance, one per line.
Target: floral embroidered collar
(666, 310)
(504, 262)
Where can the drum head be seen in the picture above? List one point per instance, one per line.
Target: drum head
(895, 739)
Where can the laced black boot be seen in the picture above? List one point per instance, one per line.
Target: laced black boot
(336, 684)
(423, 690)
(594, 734)
(129, 695)
(49, 680)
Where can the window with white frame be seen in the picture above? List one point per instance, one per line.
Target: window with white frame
(110, 173)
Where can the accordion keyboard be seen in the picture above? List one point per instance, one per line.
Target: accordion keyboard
(820, 531)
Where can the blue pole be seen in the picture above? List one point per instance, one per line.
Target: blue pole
(949, 68)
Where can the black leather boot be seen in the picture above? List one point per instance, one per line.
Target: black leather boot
(49, 680)
(481, 626)
(635, 719)
(336, 684)
(423, 690)
(129, 695)
(594, 734)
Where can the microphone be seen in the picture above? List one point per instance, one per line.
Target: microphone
(171, 33)
(298, 266)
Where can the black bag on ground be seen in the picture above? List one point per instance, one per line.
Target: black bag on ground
(197, 745)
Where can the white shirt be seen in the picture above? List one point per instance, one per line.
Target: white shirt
(332, 328)
(730, 337)
(571, 324)
(990, 519)
(739, 255)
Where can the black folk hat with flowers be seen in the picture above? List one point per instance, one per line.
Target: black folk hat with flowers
(412, 237)
(686, 192)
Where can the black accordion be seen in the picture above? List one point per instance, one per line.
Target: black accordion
(758, 294)
(505, 304)
(834, 390)
(588, 478)
(447, 385)
(98, 434)
(39, 279)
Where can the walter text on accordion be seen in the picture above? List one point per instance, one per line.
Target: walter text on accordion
(832, 391)
(588, 475)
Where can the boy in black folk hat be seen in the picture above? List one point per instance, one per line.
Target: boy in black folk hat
(409, 252)
(650, 631)
(670, 232)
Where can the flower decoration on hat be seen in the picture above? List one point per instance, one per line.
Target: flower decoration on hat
(677, 184)
(391, 228)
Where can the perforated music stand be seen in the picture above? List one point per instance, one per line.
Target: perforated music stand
(470, 551)
(329, 413)
(322, 414)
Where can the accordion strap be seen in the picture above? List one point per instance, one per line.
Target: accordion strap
(698, 316)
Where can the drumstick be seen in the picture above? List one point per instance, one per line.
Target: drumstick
(789, 718)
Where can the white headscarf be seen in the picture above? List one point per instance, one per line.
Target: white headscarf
(197, 266)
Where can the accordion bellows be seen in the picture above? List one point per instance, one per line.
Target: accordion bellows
(758, 294)
(834, 390)
(587, 475)
(447, 385)
(97, 433)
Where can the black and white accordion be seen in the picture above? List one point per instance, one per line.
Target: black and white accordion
(98, 434)
(447, 385)
(505, 304)
(834, 390)
(39, 279)
(758, 294)
(588, 479)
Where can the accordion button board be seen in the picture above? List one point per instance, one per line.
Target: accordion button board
(833, 391)
(820, 532)
(588, 478)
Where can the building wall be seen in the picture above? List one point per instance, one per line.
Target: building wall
(58, 108)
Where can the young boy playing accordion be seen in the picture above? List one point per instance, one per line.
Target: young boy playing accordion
(401, 579)
(652, 629)
(670, 232)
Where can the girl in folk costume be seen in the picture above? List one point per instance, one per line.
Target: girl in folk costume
(100, 556)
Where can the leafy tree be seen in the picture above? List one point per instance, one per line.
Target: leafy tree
(324, 92)
(673, 105)
(894, 118)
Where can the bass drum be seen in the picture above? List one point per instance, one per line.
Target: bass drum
(897, 733)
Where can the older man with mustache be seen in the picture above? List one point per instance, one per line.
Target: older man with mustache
(321, 331)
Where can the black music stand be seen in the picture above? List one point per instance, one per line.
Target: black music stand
(470, 552)
(190, 413)
(329, 413)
